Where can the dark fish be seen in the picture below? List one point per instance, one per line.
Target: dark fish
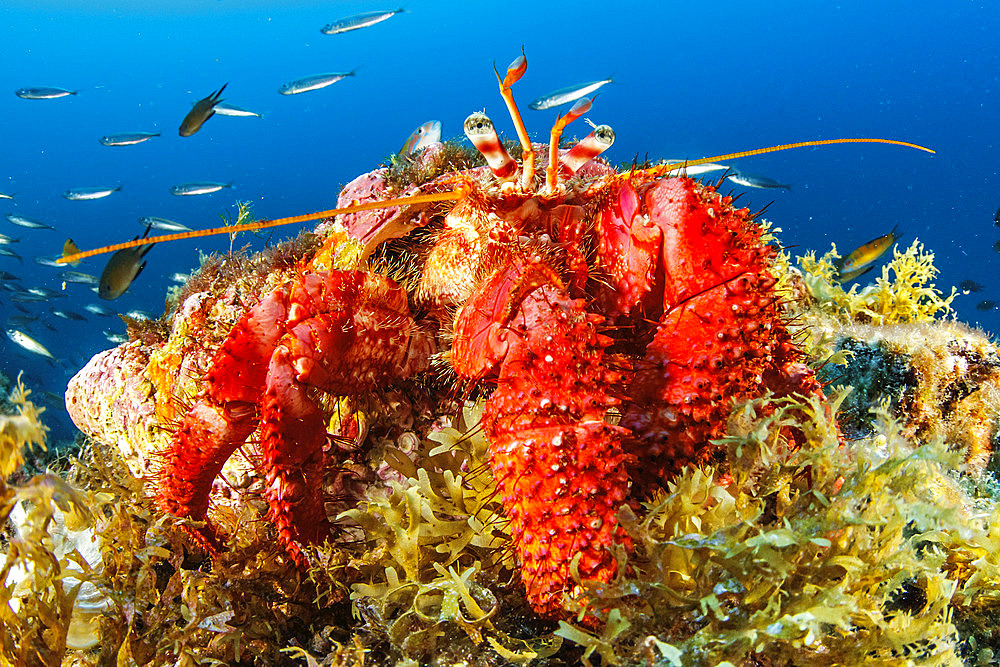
(868, 253)
(202, 111)
(127, 138)
(970, 286)
(314, 82)
(123, 267)
(43, 93)
(747, 180)
(8, 276)
(566, 95)
(986, 305)
(996, 246)
(356, 22)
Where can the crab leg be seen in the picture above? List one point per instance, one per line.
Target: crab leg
(514, 72)
(559, 465)
(343, 332)
(223, 417)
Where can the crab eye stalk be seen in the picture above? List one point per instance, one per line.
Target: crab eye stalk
(589, 147)
(480, 131)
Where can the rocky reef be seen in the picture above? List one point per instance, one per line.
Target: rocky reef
(871, 537)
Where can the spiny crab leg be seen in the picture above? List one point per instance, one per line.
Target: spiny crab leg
(552, 173)
(514, 72)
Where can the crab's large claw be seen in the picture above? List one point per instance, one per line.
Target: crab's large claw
(546, 425)
(721, 336)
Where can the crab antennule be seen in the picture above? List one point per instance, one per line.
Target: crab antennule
(552, 173)
(664, 169)
(480, 131)
(264, 224)
(514, 72)
(586, 150)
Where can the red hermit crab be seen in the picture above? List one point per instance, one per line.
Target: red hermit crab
(615, 316)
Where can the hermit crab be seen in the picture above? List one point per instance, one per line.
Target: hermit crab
(611, 318)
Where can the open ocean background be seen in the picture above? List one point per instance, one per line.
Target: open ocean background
(691, 80)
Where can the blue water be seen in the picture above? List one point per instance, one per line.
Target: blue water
(691, 80)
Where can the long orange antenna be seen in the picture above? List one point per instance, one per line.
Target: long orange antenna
(664, 169)
(264, 224)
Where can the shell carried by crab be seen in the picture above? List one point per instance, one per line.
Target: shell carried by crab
(611, 317)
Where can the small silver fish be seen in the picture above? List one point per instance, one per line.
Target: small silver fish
(747, 180)
(137, 314)
(567, 94)
(28, 343)
(695, 169)
(43, 93)
(29, 223)
(78, 277)
(26, 297)
(356, 22)
(114, 337)
(98, 309)
(203, 110)
(4, 239)
(123, 267)
(44, 292)
(180, 278)
(163, 224)
(22, 320)
(314, 82)
(201, 188)
(86, 194)
(50, 260)
(4, 195)
(67, 314)
(422, 137)
(7, 252)
(127, 138)
(227, 109)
